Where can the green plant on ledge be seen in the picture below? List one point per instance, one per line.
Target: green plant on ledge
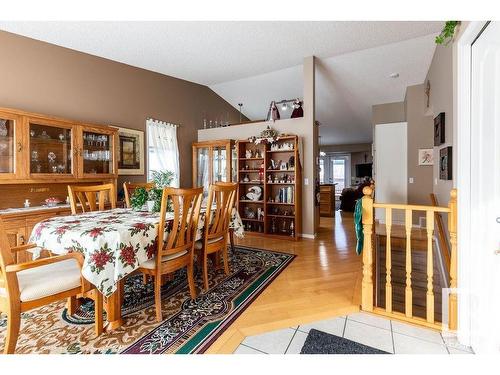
(447, 33)
(140, 196)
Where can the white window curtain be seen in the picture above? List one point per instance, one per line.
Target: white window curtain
(163, 150)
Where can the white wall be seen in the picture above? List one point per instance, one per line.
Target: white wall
(391, 166)
(307, 131)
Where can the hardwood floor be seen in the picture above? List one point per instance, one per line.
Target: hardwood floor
(323, 281)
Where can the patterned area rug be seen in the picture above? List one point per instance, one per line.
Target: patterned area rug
(189, 326)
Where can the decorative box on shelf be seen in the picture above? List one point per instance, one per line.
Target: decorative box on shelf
(269, 189)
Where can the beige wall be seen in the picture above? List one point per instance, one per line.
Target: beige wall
(420, 135)
(358, 147)
(44, 78)
(388, 113)
(303, 127)
(440, 76)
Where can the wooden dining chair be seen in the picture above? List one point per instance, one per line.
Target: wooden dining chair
(177, 250)
(91, 198)
(29, 285)
(129, 188)
(222, 195)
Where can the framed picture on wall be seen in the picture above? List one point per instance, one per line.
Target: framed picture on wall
(445, 163)
(439, 129)
(130, 152)
(426, 156)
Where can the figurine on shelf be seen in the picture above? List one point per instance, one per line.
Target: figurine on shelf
(248, 154)
(273, 225)
(246, 178)
(283, 227)
(273, 114)
(297, 109)
(249, 214)
(269, 179)
(254, 193)
(292, 229)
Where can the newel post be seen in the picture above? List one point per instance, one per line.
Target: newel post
(452, 229)
(367, 220)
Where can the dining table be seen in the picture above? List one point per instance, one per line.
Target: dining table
(114, 244)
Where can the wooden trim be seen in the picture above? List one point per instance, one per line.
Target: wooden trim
(444, 245)
(411, 207)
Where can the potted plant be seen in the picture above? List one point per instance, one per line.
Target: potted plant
(150, 200)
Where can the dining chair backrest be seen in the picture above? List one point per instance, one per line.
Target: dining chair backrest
(129, 188)
(6, 257)
(221, 199)
(91, 198)
(186, 204)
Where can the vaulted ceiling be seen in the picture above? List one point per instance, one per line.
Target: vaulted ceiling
(256, 62)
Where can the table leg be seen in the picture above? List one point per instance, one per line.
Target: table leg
(113, 308)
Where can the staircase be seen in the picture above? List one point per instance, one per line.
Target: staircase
(398, 272)
(405, 269)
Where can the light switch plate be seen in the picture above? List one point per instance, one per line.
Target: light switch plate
(306, 181)
(411, 180)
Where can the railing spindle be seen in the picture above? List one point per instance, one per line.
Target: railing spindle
(388, 284)
(430, 267)
(408, 290)
(367, 283)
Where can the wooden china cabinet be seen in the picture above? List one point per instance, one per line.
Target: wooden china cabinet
(214, 161)
(39, 156)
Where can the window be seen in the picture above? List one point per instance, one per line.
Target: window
(321, 171)
(163, 151)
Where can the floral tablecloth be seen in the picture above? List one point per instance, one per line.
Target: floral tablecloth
(114, 242)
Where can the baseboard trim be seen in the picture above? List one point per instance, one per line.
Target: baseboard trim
(306, 235)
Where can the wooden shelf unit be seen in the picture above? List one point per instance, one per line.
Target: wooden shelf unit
(282, 214)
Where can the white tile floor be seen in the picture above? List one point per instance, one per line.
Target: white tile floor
(377, 332)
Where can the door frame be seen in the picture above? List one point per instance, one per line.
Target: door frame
(462, 65)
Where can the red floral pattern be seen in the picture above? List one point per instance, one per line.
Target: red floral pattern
(100, 258)
(127, 255)
(114, 243)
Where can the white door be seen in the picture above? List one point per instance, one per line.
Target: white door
(485, 191)
(340, 170)
(391, 169)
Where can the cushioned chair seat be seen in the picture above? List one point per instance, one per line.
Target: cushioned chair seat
(43, 281)
(151, 264)
(199, 244)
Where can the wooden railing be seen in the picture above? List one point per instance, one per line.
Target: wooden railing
(367, 293)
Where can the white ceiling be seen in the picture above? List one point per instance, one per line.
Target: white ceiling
(256, 62)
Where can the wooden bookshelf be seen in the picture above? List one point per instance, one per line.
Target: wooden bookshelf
(281, 199)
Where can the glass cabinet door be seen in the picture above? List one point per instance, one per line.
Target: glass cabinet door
(202, 172)
(50, 149)
(234, 163)
(7, 146)
(219, 166)
(97, 152)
